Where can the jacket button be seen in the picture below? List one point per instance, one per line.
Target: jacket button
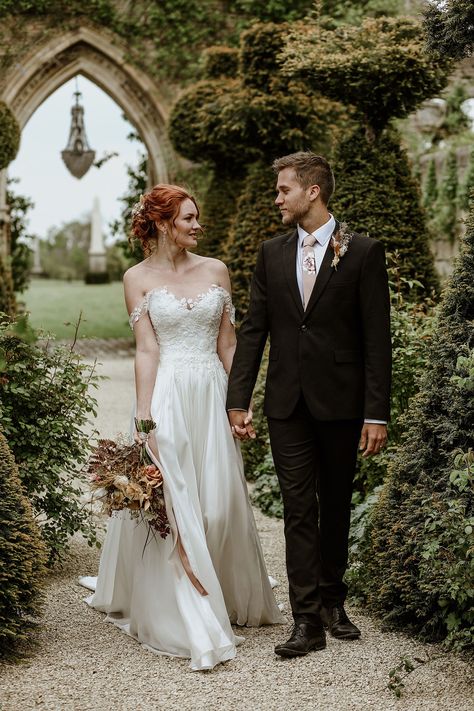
(303, 328)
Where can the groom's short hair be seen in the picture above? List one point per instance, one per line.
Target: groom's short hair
(310, 169)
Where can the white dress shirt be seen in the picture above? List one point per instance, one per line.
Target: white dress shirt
(322, 236)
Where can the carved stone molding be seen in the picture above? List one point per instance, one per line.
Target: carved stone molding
(48, 65)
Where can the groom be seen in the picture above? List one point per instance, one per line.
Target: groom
(321, 293)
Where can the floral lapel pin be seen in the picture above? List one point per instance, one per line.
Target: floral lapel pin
(340, 243)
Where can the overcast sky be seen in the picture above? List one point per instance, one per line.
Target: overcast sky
(58, 196)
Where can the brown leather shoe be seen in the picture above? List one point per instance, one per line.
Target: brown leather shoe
(305, 637)
(337, 622)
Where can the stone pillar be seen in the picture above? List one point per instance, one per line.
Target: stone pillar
(97, 256)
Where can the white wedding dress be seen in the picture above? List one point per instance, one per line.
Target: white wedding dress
(142, 584)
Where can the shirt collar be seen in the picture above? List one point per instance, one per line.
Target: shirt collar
(322, 234)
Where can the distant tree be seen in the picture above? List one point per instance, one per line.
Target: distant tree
(64, 254)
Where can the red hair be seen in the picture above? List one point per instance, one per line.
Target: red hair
(160, 204)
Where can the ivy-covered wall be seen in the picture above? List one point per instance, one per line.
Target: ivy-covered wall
(165, 37)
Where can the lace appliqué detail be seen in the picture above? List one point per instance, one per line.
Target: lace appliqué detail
(229, 307)
(139, 310)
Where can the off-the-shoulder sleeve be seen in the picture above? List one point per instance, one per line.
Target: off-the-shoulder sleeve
(138, 311)
(229, 308)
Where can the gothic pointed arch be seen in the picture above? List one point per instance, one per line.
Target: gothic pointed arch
(103, 60)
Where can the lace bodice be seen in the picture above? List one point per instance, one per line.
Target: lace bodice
(186, 329)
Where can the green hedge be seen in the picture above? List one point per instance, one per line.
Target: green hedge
(377, 193)
(22, 559)
(256, 219)
(417, 567)
(381, 67)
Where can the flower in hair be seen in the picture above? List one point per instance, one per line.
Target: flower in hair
(138, 207)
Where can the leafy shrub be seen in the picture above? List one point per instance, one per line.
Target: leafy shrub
(22, 559)
(20, 239)
(412, 327)
(45, 403)
(266, 493)
(414, 569)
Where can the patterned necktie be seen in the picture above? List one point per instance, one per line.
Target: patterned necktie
(309, 268)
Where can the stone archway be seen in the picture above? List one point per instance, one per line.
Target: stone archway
(103, 60)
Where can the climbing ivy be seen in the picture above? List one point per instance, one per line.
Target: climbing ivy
(9, 136)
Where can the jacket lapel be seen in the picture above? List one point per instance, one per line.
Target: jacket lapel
(289, 258)
(323, 276)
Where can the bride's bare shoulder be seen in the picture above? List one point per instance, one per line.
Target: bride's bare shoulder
(134, 279)
(213, 266)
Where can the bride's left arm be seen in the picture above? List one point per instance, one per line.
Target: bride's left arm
(226, 340)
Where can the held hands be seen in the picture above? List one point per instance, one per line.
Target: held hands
(241, 424)
(372, 439)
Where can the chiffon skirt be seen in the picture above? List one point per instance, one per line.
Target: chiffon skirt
(142, 584)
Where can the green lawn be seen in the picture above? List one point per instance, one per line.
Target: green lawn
(55, 307)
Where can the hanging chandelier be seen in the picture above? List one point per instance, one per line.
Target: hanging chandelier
(78, 156)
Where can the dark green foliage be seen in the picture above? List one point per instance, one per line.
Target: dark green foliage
(20, 239)
(7, 294)
(447, 203)
(417, 570)
(450, 28)
(412, 327)
(259, 49)
(256, 219)
(381, 67)
(376, 193)
(272, 10)
(45, 403)
(259, 115)
(163, 36)
(22, 559)
(221, 61)
(430, 194)
(9, 136)
(218, 212)
(208, 122)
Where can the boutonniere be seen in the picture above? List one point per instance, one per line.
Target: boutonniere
(340, 243)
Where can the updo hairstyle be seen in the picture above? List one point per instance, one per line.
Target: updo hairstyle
(160, 204)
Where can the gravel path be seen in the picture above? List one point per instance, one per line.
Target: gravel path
(84, 664)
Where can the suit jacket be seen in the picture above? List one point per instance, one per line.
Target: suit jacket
(337, 353)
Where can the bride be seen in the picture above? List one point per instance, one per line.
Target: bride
(180, 595)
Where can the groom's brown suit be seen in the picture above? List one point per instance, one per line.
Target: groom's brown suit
(329, 369)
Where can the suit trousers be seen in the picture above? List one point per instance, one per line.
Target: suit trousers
(315, 463)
